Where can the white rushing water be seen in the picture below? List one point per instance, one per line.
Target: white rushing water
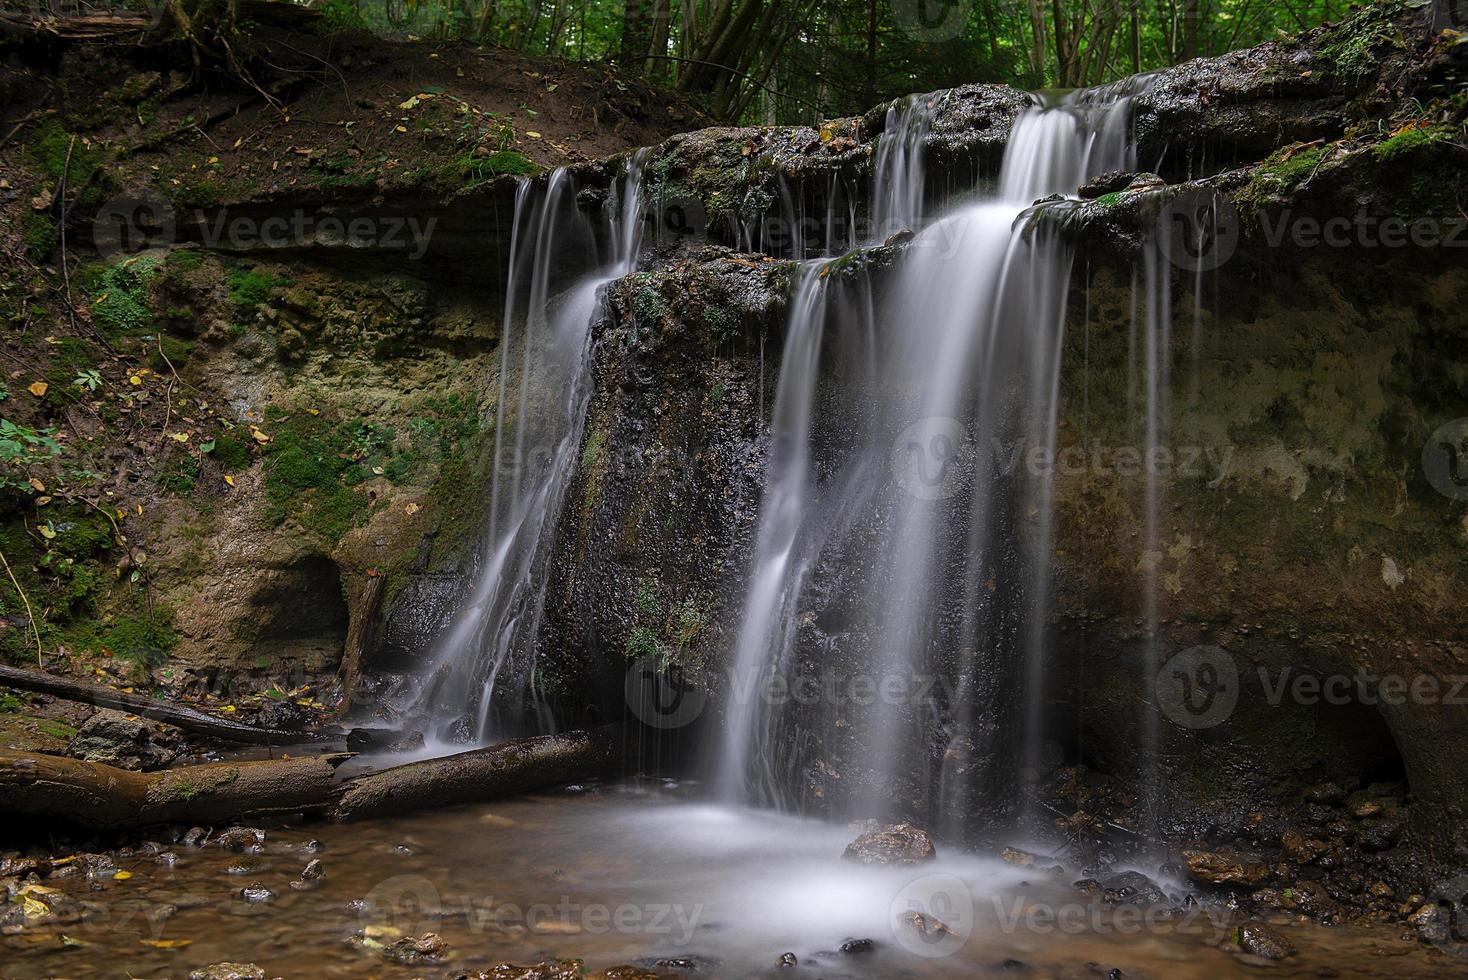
(969, 339)
(541, 402)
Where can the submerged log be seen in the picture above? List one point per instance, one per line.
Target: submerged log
(482, 774)
(177, 715)
(97, 797)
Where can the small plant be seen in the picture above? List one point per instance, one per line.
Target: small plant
(89, 379)
(22, 447)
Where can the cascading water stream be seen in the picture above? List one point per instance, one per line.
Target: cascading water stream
(540, 408)
(970, 338)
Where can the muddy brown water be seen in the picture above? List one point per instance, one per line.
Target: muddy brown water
(622, 874)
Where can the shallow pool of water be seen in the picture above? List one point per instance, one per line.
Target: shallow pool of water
(620, 874)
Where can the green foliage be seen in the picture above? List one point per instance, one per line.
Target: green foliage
(22, 447)
(342, 16)
(645, 599)
(249, 288)
(179, 473)
(722, 322)
(311, 467)
(40, 236)
(231, 451)
(141, 636)
(9, 703)
(120, 294)
(643, 642)
(1409, 141)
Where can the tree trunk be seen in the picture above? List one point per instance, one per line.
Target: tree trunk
(167, 712)
(500, 770)
(96, 797)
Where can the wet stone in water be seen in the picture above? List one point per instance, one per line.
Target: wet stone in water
(1260, 940)
(229, 971)
(788, 959)
(898, 844)
(410, 950)
(256, 892)
(241, 838)
(858, 946)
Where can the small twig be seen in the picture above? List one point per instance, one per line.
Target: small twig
(30, 616)
(65, 271)
(42, 114)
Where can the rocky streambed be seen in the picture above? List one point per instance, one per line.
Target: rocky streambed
(642, 881)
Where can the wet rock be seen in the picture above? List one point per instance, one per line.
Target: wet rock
(1107, 183)
(117, 739)
(1299, 848)
(241, 838)
(899, 844)
(1365, 809)
(412, 950)
(312, 847)
(1022, 859)
(1378, 834)
(241, 867)
(1131, 888)
(229, 971)
(284, 716)
(853, 946)
(928, 926)
(1257, 939)
(256, 893)
(195, 837)
(167, 859)
(788, 959)
(1145, 182)
(383, 740)
(548, 970)
(313, 872)
(1328, 794)
(1219, 868)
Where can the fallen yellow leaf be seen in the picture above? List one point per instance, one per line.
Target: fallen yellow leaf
(532, 134)
(179, 436)
(166, 943)
(46, 532)
(39, 388)
(411, 509)
(122, 876)
(37, 485)
(135, 379)
(258, 436)
(229, 479)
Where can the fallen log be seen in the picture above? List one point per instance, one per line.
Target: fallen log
(97, 797)
(501, 770)
(177, 715)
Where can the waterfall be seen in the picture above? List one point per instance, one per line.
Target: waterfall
(541, 398)
(969, 340)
